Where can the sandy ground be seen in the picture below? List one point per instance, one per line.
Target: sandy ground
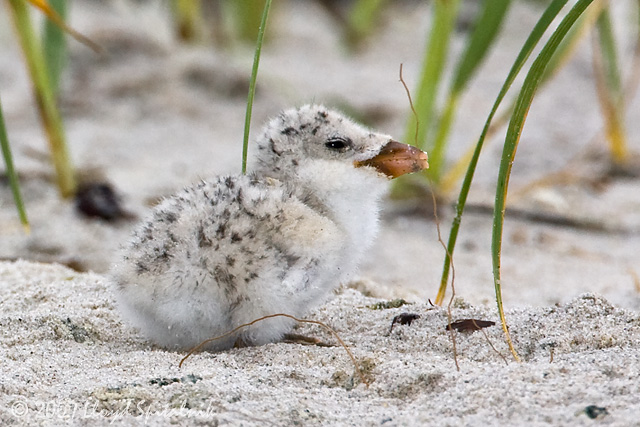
(155, 115)
(67, 357)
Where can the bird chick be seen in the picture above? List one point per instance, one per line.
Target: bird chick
(235, 248)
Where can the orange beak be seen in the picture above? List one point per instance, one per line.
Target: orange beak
(396, 159)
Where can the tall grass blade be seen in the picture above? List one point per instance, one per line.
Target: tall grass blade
(362, 19)
(534, 37)
(486, 28)
(569, 44)
(55, 45)
(444, 13)
(610, 54)
(11, 173)
(252, 84)
(561, 57)
(45, 97)
(434, 61)
(514, 131)
(609, 88)
(247, 15)
(188, 16)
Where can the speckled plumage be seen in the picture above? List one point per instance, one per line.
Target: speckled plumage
(230, 250)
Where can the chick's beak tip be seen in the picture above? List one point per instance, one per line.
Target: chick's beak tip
(396, 159)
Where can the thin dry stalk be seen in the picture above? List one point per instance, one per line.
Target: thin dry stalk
(453, 278)
(437, 221)
(489, 340)
(413, 110)
(315, 322)
(59, 21)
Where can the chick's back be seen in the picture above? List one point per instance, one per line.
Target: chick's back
(223, 253)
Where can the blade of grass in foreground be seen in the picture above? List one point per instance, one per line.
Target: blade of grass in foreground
(11, 173)
(252, 85)
(45, 98)
(246, 17)
(514, 131)
(560, 58)
(541, 26)
(570, 43)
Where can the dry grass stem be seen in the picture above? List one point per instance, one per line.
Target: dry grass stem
(437, 221)
(490, 343)
(315, 322)
(57, 19)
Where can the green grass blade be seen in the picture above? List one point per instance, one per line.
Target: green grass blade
(11, 173)
(246, 15)
(55, 45)
(571, 41)
(514, 131)
(610, 93)
(188, 18)
(252, 84)
(534, 37)
(486, 28)
(362, 19)
(45, 97)
(434, 61)
(609, 52)
(561, 57)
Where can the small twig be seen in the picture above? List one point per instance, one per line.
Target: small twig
(437, 221)
(489, 341)
(413, 110)
(315, 322)
(453, 275)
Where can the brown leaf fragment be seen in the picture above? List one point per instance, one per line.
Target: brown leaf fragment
(403, 319)
(469, 325)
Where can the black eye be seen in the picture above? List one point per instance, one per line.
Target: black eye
(338, 143)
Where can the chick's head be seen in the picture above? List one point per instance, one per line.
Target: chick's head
(313, 132)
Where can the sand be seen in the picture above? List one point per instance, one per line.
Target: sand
(156, 115)
(67, 358)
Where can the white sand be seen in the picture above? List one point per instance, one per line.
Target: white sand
(156, 116)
